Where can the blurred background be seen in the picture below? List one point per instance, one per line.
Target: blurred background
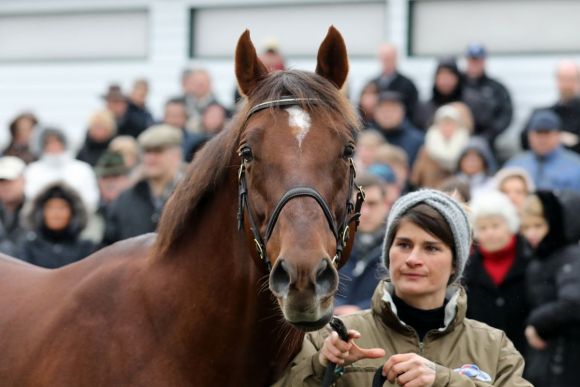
(57, 58)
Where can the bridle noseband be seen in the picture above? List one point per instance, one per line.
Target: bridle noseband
(340, 232)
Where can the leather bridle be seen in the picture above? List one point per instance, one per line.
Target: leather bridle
(340, 230)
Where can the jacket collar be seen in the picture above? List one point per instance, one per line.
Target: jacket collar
(384, 307)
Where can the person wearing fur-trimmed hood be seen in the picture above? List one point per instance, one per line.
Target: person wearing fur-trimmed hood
(416, 331)
(57, 217)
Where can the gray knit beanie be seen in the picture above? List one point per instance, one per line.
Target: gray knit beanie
(449, 208)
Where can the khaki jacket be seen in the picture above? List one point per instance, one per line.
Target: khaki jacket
(461, 342)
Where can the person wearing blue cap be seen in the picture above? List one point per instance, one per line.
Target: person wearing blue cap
(567, 106)
(488, 99)
(548, 163)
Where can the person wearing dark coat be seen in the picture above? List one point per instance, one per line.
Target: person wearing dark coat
(22, 130)
(391, 79)
(488, 99)
(362, 272)
(137, 210)
(551, 224)
(495, 275)
(390, 121)
(447, 88)
(57, 217)
(131, 119)
(102, 129)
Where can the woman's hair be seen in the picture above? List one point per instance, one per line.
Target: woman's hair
(508, 173)
(533, 207)
(495, 203)
(105, 118)
(430, 220)
(370, 138)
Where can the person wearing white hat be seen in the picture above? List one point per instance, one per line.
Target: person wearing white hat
(12, 231)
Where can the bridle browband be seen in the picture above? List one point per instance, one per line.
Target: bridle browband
(340, 232)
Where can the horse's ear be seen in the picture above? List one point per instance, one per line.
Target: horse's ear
(332, 61)
(249, 68)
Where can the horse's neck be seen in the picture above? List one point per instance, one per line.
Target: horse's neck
(229, 290)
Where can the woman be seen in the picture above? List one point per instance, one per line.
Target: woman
(367, 102)
(416, 330)
(444, 142)
(516, 183)
(57, 218)
(495, 276)
(102, 129)
(551, 225)
(22, 130)
(447, 88)
(476, 165)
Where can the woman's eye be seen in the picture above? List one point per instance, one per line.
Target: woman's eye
(432, 249)
(246, 154)
(348, 152)
(403, 245)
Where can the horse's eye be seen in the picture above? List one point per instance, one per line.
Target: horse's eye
(246, 153)
(348, 152)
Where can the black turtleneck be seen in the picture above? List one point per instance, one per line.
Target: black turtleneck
(421, 320)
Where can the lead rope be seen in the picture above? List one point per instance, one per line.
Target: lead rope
(337, 325)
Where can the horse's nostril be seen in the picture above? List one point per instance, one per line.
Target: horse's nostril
(280, 278)
(326, 278)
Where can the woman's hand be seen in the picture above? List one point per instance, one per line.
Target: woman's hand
(410, 370)
(534, 339)
(344, 353)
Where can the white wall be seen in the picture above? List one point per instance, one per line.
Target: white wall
(65, 92)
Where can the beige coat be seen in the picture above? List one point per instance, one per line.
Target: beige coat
(461, 342)
(427, 172)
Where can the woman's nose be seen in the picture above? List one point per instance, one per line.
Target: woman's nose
(414, 258)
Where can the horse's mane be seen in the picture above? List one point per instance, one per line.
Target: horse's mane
(212, 163)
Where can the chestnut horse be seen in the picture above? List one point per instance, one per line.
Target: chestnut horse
(190, 305)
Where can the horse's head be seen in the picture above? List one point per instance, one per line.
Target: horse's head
(296, 176)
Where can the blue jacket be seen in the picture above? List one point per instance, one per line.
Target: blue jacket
(556, 171)
(360, 275)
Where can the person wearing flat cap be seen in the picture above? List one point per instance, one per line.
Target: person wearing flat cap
(416, 332)
(137, 210)
(550, 165)
(390, 121)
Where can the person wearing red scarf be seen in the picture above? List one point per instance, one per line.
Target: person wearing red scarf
(495, 272)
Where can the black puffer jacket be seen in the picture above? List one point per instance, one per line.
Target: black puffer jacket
(491, 105)
(53, 249)
(553, 289)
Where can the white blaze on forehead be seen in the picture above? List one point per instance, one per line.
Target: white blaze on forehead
(300, 120)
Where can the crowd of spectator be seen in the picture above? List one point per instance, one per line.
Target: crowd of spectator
(57, 205)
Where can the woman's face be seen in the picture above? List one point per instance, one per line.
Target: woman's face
(368, 100)
(100, 131)
(448, 127)
(420, 266)
(24, 130)
(57, 214)
(516, 190)
(492, 232)
(446, 81)
(472, 163)
(534, 229)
